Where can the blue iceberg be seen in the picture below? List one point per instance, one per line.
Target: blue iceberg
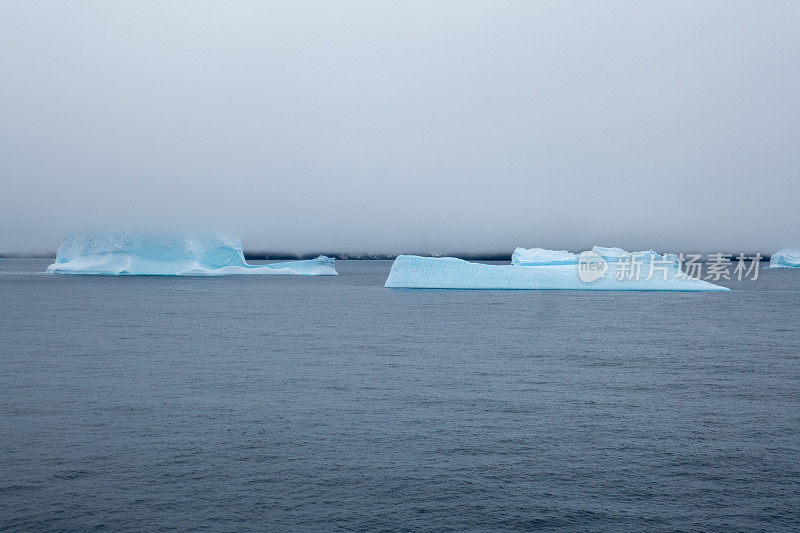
(786, 258)
(162, 254)
(601, 269)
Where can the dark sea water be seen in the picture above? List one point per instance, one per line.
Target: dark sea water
(280, 403)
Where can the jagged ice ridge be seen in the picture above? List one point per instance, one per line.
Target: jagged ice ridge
(786, 258)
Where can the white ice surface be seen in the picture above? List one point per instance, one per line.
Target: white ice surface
(542, 256)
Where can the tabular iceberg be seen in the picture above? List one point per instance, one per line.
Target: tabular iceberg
(786, 258)
(162, 254)
(602, 269)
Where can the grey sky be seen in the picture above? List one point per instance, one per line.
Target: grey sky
(390, 126)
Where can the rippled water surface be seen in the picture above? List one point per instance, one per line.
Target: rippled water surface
(277, 403)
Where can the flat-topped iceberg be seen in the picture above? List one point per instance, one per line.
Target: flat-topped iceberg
(786, 258)
(601, 269)
(162, 254)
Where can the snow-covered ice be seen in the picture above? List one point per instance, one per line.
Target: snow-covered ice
(165, 254)
(610, 271)
(542, 256)
(786, 258)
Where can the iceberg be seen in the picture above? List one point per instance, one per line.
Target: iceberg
(601, 269)
(162, 254)
(786, 258)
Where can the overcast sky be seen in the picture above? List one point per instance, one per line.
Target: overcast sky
(404, 126)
